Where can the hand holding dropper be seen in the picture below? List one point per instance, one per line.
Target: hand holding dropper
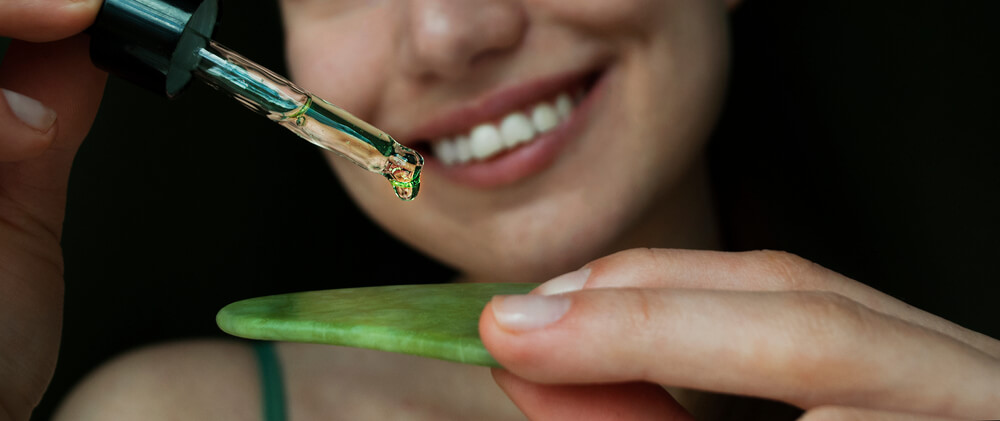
(50, 96)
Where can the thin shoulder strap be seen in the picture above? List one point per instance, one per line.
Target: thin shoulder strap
(272, 387)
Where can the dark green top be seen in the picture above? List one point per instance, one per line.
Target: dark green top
(271, 385)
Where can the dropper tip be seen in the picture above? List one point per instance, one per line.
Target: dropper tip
(403, 171)
(406, 191)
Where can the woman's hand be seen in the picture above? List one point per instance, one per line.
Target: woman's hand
(49, 99)
(764, 324)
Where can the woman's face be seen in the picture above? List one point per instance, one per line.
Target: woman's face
(551, 129)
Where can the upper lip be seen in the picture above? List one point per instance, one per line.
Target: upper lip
(492, 105)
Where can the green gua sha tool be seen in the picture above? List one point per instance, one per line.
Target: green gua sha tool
(437, 321)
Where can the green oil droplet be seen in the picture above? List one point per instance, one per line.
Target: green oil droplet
(406, 190)
(403, 171)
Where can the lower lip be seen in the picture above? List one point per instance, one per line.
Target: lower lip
(524, 161)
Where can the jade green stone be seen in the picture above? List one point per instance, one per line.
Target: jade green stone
(436, 321)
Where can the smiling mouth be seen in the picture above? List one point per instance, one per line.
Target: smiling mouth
(519, 126)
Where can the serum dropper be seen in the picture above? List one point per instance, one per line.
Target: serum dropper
(163, 44)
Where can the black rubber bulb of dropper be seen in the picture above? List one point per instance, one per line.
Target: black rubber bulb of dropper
(152, 43)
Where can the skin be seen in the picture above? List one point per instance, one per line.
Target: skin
(763, 324)
(766, 324)
(34, 169)
(406, 72)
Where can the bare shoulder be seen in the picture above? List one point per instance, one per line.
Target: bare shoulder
(206, 379)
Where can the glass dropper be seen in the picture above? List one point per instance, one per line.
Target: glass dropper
(310, 117)
(163, 44)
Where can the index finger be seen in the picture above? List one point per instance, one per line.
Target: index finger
(763, 270)
(46, 20)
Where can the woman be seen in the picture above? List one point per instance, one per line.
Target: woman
(626, 93)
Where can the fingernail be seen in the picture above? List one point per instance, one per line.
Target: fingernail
(30, 111)
(567, 282)
(528, 312)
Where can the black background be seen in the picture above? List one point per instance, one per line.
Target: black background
(861, 135)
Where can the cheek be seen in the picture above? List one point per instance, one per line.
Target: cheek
(346, 60)
(341, 60)
(603, 14)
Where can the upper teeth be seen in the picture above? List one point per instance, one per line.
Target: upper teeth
(487, 139)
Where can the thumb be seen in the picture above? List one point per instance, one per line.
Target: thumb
(626, 401)
(46, 20)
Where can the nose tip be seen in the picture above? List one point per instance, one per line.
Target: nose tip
(446, 37)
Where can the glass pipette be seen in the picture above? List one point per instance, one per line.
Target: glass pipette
(310, 117)
(162, 44)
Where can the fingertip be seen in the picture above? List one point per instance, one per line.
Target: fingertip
(67, 19)
(31, 112)
(503, 345)
(533, 353)
(47, 21)
(488, 329)
(29, 127)
(81, 13)
(525, 313)
(60, 78)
